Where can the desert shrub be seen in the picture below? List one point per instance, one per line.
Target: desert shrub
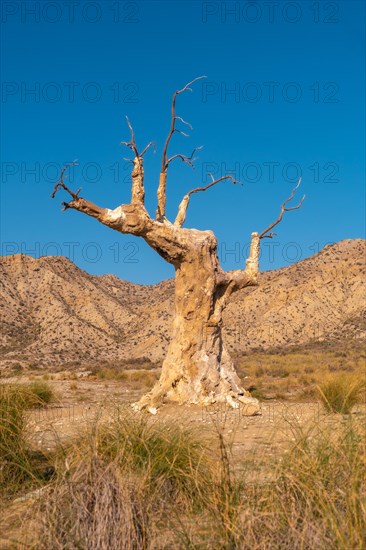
(259, 371)
(138, 482)
(106, 374)
(16, 368)
(12, 420)
(340, 393)
(138, 377)
(279, 372)
(144, 378)
(257, 392)
(35, 394)
(39, 393)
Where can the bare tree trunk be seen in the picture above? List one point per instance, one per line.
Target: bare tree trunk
(197, 368)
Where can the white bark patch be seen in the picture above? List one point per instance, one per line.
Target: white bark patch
(116, 214)
(230, 401)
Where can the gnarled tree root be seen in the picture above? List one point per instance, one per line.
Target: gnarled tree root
(248, 405)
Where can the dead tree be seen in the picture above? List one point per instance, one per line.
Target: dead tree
(197, 368)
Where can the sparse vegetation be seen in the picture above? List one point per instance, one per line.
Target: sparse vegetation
(295, 373)
(168, 454)
(116, 484)
(94, 506)
(137, 378)
(164, 491)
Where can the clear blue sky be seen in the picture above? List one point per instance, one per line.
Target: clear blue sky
(295, 71)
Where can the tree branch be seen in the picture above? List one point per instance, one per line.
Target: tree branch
(61, 185)
(283, 210)
(187, 160)
(151, 144)
(138, 191)
(182, 209)
(239, 279)
(80, 204)
(131, 219)
(174, 118)
(161, 193)
(131, 144)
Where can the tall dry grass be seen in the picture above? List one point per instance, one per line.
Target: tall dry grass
(136, 482)
(121, 485)
(94, 506)
(317, 499)
(20, 467)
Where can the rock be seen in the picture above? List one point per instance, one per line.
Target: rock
(250, 406)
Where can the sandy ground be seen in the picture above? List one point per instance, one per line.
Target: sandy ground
(255, 440)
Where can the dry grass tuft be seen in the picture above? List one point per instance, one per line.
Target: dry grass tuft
(94, 506)
(121, 484)
(339, 393)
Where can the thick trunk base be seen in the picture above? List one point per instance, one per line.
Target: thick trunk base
(199, 376)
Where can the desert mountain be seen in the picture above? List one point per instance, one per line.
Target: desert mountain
(53, 313)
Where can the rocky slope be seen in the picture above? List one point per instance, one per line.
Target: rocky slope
(54, 314)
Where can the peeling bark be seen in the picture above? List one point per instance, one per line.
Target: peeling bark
(160, 213)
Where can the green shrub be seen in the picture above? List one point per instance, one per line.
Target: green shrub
(258, 393)
(39, 393)
(106, 374)
(12, 420)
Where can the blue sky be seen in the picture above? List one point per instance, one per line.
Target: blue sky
(284, 96)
